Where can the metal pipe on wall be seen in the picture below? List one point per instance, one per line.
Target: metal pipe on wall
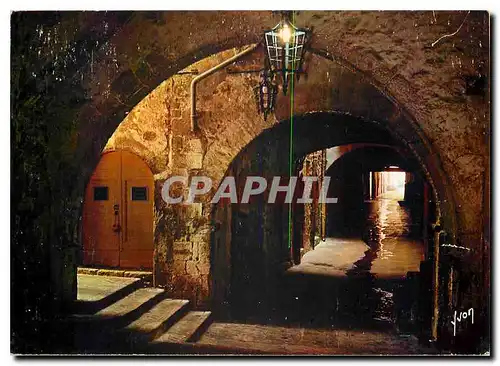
(209, 72)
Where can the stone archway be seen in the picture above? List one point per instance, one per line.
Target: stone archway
(235, 226)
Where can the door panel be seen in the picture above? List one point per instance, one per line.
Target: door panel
(101, 241)
(118, 213)
(137, 246)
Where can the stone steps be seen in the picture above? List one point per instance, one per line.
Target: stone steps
(187, 329)
(131, 306)
(98, 333)
(134, 319)
(155, 322)
(95, 293)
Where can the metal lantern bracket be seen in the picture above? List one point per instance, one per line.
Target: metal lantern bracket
(265, 93)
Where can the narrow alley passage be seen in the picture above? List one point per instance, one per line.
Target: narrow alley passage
(386, 248)
(360, 283)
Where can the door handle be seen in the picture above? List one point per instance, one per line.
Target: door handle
(116, 224)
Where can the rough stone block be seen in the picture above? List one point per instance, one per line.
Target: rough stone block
(175, 104)
(195, 251)
(177, 142)
(194, 160)
(182, 255)
(189, 285)
(202, 251)
(175, 113)
(203, 268)
(110, 272)
(191, 268)
(181, 125)
(195, 145)
(179, 267)
(193, 210)
(138, 274)
(203, 291)
(88, 271)
(182, 246)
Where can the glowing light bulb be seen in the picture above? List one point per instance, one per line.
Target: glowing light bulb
(286, 33)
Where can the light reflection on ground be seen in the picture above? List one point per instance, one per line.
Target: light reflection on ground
(353, 282)
(392, 253)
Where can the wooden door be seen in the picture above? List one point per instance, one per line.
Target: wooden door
(118, 213)
(137, 234)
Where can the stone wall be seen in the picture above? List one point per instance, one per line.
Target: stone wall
(314, 216)
(158, 130)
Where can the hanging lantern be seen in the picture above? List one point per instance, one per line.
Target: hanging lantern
(285, 45)
(265, 94)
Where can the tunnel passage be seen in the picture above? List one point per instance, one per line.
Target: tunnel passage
(253, 244)
(376, 241)
(355, 178)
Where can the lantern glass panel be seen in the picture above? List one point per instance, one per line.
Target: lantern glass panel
(285, 56)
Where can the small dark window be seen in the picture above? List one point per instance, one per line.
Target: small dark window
(100, 193)
(139, 194)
